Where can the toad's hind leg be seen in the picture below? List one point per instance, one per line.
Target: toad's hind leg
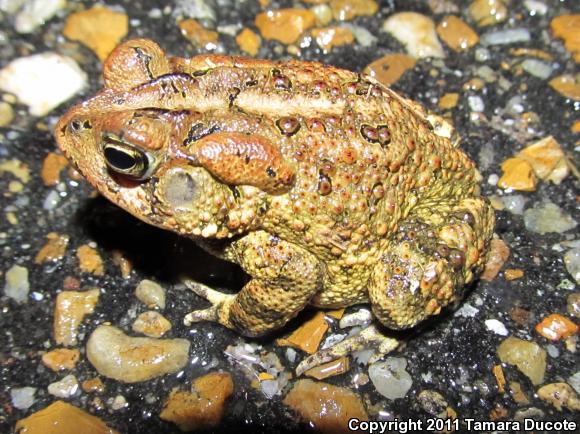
(284, 279)
(437, 250)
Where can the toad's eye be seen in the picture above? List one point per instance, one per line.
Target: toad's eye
(127, 160)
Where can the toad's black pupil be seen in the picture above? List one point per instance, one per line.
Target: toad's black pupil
(119, 159)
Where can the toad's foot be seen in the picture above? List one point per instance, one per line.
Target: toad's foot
(370, 337)
(216, 298)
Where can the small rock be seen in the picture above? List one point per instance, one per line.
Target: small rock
(329, 37)
(574, 381)
(567, 85)
(35, 13)
(42, 81)
(456, 33)
(573, 305)
(93, 385)
(326, 407)
(345, 10)
(61, 358)
(566, 27)
(514, 203)
(488, 12)
(118, 403)
(361, 317)
(90, 261)
(537, 68)
(363, 37)
(536, 7)
(388, 69)
(249, 41)
(284, 25)
(547, 159)
(499, 253)
(6, 114)
(64, 388)
(17, 168)
(323, 14)
(17, 285)
(390, 377)
(22, 397)
(330, 369)
(54, 249)
(527, 356)
(556, 327)
(448, 101)
(197, 9)
(518, 174)
(128, 359)
(62, 418)
(203, 407)
(198, 35)
(433, 403)
(151, 324)
(476, 103)
(505, 37)
(548, 217)
(52, 166)
(123, 262)
(416, 32)
(70, 309)
(308, 336)
(98, 28)
(513, 274)
(560, 395)
(497, 327)
(151, 294)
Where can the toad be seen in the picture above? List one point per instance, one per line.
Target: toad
(326, 187)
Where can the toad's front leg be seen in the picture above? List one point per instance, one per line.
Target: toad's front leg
(284, 279)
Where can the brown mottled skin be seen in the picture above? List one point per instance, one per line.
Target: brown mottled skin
(324, 186)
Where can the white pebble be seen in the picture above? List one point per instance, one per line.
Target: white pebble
(42, 81)
(51, 200)
(11, 6)
(574, 381)
(504, 37)
(416, 32)
(497, 327)
(548, 217)
(572, 261)
(553, 352)
(22, 397)
(390, 377)
(35, 13)
(536, 7)
(476, 104)
(467, 311)
(362, 35)
(151, 293)
(361, 317)
(17, 285)
(64, 388)
(537, 68)
(515, 203)
(118, 403)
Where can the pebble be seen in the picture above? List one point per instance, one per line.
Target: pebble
(62, 418)
(566, 27)
(363, 37)
(573, 304)
(64, 388)
(514, 203)
(249, 41)
(35, 13)
(499, 253)
(476, 103)
(504, 37)
(42, 81)
(22, 397)
(390, 68)
(308, 336)
(198, 35)
(284, 25)
(99, 28)
(537, 68)
(327, 408)
(17, 285)
(151, 294)
(51, 200)
(197, 9)
(345, 10)
(518, 174)
(547, 217)
(536, 7)
(497, 327)
(71, 307)
(329, 37)
(119, 402)
(11, 6)
(93, 385)
(330, 369)
(572, 262)
(456, 33)
(547, 159)
(566, 85)
(54, 249)
(6, 114)
(527, 356)
(151, 324)
(448, 101)
(90, 260)
(52, 167)
(128, 359)
(361, 317)
(560, 395)
(488, 12)
(16, 168)
(556, 327)
(323, 14)
(574, 381)
(433, 403)
(416, 32)
(513, 274)
(390, 377)
(203, 407)
(61, 358)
